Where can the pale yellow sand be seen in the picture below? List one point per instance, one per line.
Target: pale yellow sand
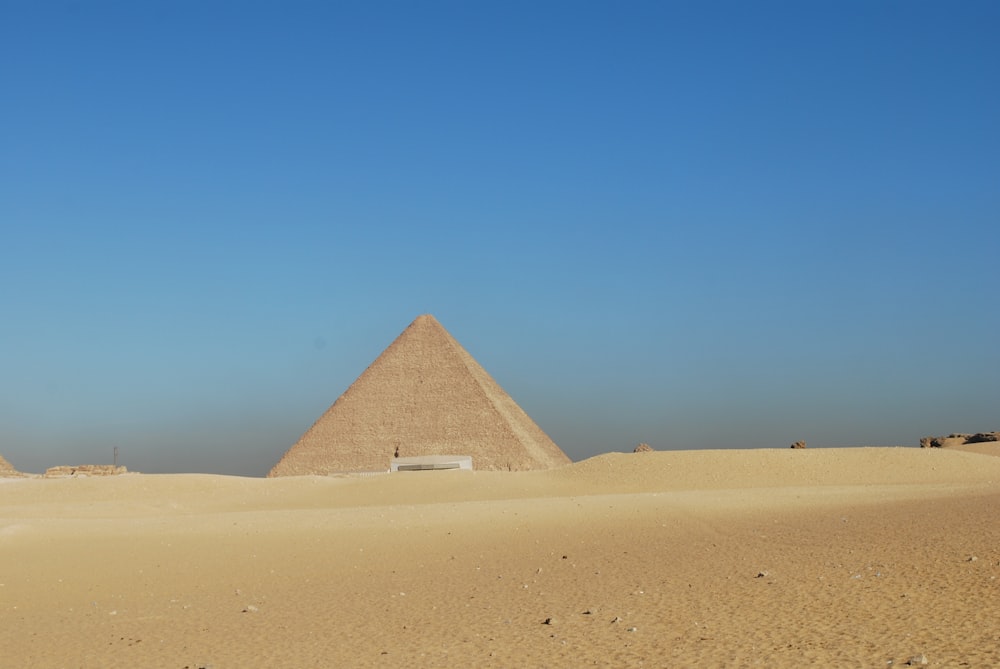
(771, 558)
(984, 447)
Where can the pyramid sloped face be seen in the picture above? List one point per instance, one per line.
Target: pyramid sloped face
(424, 395)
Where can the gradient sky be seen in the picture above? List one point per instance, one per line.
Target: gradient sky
(683, 223)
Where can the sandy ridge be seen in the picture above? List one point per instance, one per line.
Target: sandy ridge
(774, 558)
(614, 473)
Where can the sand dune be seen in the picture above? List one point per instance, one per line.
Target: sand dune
(710, 558)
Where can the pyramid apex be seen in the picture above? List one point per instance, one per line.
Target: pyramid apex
(426, 323)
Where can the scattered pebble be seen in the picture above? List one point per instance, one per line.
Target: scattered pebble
(762, 574)
(917, 660)
(616, 619)
(250, 608)
(549, 621)
(631, 629)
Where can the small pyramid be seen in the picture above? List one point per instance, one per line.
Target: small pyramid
(7, 469)
(424, 395)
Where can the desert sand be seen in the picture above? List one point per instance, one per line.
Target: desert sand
(859, 557)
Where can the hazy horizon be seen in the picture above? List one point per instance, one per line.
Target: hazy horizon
(714, 225)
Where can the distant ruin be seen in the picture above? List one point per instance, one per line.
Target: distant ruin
(84, 470)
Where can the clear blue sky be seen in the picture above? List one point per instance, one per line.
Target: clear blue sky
(689, 224)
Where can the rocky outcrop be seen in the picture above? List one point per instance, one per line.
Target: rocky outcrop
(959, 439)
(84, 470)
(643, 448)
(799, 444)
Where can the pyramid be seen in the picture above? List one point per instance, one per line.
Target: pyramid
(7, 469)
(424, 395)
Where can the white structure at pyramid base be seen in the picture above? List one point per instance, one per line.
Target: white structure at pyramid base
(430, 462)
